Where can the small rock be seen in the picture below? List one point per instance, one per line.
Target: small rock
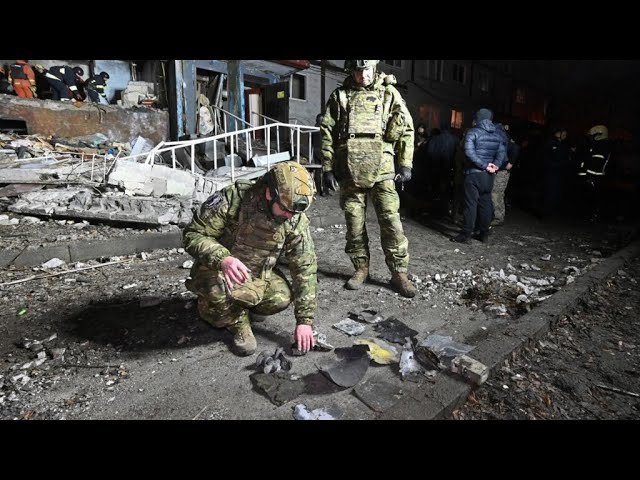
(53, 263)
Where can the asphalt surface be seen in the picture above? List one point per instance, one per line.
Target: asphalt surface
(166, 363)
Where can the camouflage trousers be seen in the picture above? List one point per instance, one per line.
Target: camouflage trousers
(353, 201)
(220, 311)
(497, 196)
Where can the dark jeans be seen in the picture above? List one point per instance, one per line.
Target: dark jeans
(478, 207)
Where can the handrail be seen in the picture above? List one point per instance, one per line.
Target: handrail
(264, 116)
(231, 114)
(172, 146)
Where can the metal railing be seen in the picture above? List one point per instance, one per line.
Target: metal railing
(231, 139)
(296, 147)
(225, 124)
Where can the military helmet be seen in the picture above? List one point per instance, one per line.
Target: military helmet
(599, 132)
(351, 65)
(291, 186)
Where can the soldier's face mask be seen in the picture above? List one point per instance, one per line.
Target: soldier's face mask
(364, 77)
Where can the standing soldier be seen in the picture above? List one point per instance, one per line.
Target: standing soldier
(96, 87)
(501, 180)
(24, 79)
(236, 240)
(366, 125)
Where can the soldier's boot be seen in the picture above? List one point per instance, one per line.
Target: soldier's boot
(358, 278)
(403, 285)
(243, 340)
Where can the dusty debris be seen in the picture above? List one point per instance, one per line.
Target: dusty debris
(377, 394)
(367, 316)
(379, 351)
(349, 327)
(301, 412)
(279, 388)
(273, 363)
(394, 331)
(349, 369)
(441, 347)
(470, 369)
(37, 277)
(53, 263)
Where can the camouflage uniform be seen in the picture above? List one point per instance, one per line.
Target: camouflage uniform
(363, 130)
(238, 221)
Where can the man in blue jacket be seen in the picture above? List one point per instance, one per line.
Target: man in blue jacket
(485, 152)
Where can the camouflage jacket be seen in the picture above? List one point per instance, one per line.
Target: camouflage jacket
(334, 127)
(214, 233)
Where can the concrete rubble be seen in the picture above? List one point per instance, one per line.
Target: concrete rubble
(112, 206)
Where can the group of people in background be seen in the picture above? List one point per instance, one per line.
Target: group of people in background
(59, 82)
(466, 178)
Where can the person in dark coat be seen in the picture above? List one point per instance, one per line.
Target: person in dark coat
(485, 153)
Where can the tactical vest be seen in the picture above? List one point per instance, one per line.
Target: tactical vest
(363, 112)
(258, 238)
(17, 73)
(362, 130)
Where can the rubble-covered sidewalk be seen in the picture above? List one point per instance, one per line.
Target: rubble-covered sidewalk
(119, 336)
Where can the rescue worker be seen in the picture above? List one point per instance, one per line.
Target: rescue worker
(96, 87)
(64, 82)
(594, 164)
(43, 89)
(556, 158)
(365, 126)
(5, 85)
(236, 240)
(23, 79)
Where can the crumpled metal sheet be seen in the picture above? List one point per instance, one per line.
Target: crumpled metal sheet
(351, 367)
(278, 387)
(394, 331)
(350, 327)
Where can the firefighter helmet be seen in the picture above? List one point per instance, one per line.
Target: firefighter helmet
(351, 65)
(104, 75)
(291, 186)
(599, 132)
(78, 71)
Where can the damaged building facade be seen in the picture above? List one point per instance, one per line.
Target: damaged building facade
(173, 133)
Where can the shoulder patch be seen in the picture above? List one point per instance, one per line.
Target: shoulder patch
(214, 201)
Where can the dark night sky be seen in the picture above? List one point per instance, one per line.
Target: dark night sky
(617, 79)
